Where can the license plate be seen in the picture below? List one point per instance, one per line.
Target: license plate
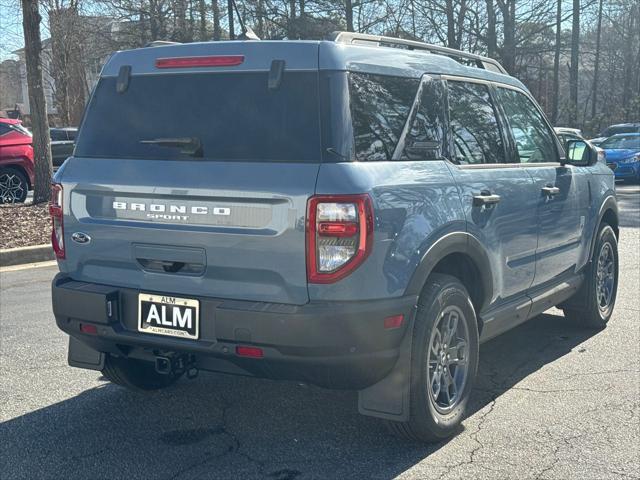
(171, 316)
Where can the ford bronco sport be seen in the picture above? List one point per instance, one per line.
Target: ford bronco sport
(357, 213)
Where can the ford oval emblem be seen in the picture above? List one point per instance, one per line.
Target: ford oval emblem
(80, 237)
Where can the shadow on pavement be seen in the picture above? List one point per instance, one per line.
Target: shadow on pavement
(228, 427)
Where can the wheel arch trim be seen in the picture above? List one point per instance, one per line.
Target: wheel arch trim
(609, 204)
(455, 242)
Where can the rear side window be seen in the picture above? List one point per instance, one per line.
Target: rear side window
(58, 135)
(380, 106)
(232, 116)
(533, 138)
(425, 137)
(473, 124)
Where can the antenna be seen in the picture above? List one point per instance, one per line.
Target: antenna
(247, 32)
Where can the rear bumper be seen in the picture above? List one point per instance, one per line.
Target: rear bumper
(335, 345)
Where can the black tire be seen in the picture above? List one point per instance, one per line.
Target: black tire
(586, 308)
(136, 375)
(14, 186)
(427, 422)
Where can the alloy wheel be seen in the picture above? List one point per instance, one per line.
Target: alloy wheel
(605, 277)
(447, 368)
(12, 189)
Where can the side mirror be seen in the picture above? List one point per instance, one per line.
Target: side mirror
(580, 152)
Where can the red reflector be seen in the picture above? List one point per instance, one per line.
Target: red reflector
(55, 210)
(337, 229)
(393, 322)
(254, 352)
(88, 329)
(209, 61)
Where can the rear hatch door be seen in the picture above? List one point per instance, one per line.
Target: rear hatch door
(196, 183)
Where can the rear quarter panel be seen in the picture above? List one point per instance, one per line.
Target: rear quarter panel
(415, 203)
(601, 187)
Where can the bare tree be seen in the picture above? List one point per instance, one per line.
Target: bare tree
(573, 67)
(37, 103)
(556, 64)
(596, 63)
(215, 7)
(348, 5)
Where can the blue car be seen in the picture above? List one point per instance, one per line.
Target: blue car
(623, 155)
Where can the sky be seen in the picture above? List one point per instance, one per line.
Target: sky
(11, 36)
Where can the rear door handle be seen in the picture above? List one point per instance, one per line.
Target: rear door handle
(485, 199)
(550, 191)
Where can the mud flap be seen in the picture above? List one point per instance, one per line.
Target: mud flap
(83, 356)
(390, 397)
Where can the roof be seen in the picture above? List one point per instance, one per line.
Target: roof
(576, 131)
(628, 134)
(304, 55)
(630, 124)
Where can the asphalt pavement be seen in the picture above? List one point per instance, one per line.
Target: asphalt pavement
(552, 402)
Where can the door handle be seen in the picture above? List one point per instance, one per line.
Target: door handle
(485, 198)
(550, 191)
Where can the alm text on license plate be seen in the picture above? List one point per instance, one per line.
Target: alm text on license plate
(171, 316)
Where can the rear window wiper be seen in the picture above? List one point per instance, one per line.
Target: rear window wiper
(188, 145)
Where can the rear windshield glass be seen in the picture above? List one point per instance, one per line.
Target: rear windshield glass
(614, 143)
(229, 116)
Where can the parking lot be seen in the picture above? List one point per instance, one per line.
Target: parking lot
(552, 402)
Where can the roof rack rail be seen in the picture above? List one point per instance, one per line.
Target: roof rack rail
(161, 43)
(380, 41)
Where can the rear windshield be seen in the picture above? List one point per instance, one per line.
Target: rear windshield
(621, 129)
(232, 116)
(614, 143)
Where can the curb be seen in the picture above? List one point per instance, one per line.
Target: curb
(20, 255)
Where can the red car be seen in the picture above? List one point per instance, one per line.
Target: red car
(16, 161)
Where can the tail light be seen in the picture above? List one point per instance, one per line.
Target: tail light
(55, 210)
(339, 235)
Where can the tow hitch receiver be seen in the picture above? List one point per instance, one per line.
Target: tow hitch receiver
(176, 365)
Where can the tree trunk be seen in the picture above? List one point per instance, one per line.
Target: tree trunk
(451, 28)
(348, 5)
(596, 65)
(573, 70)
(508, 10)
(556, 65)
(216, 19)
(202, 10)
(37, 103)
(180, 33)
(260, 15)
(492, 42)
(232, 34)
(292, 9)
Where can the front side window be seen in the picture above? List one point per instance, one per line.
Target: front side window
(533, 138)
(473, 124)
(380, 106)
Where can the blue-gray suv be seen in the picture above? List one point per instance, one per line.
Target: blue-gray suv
(357, 213)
